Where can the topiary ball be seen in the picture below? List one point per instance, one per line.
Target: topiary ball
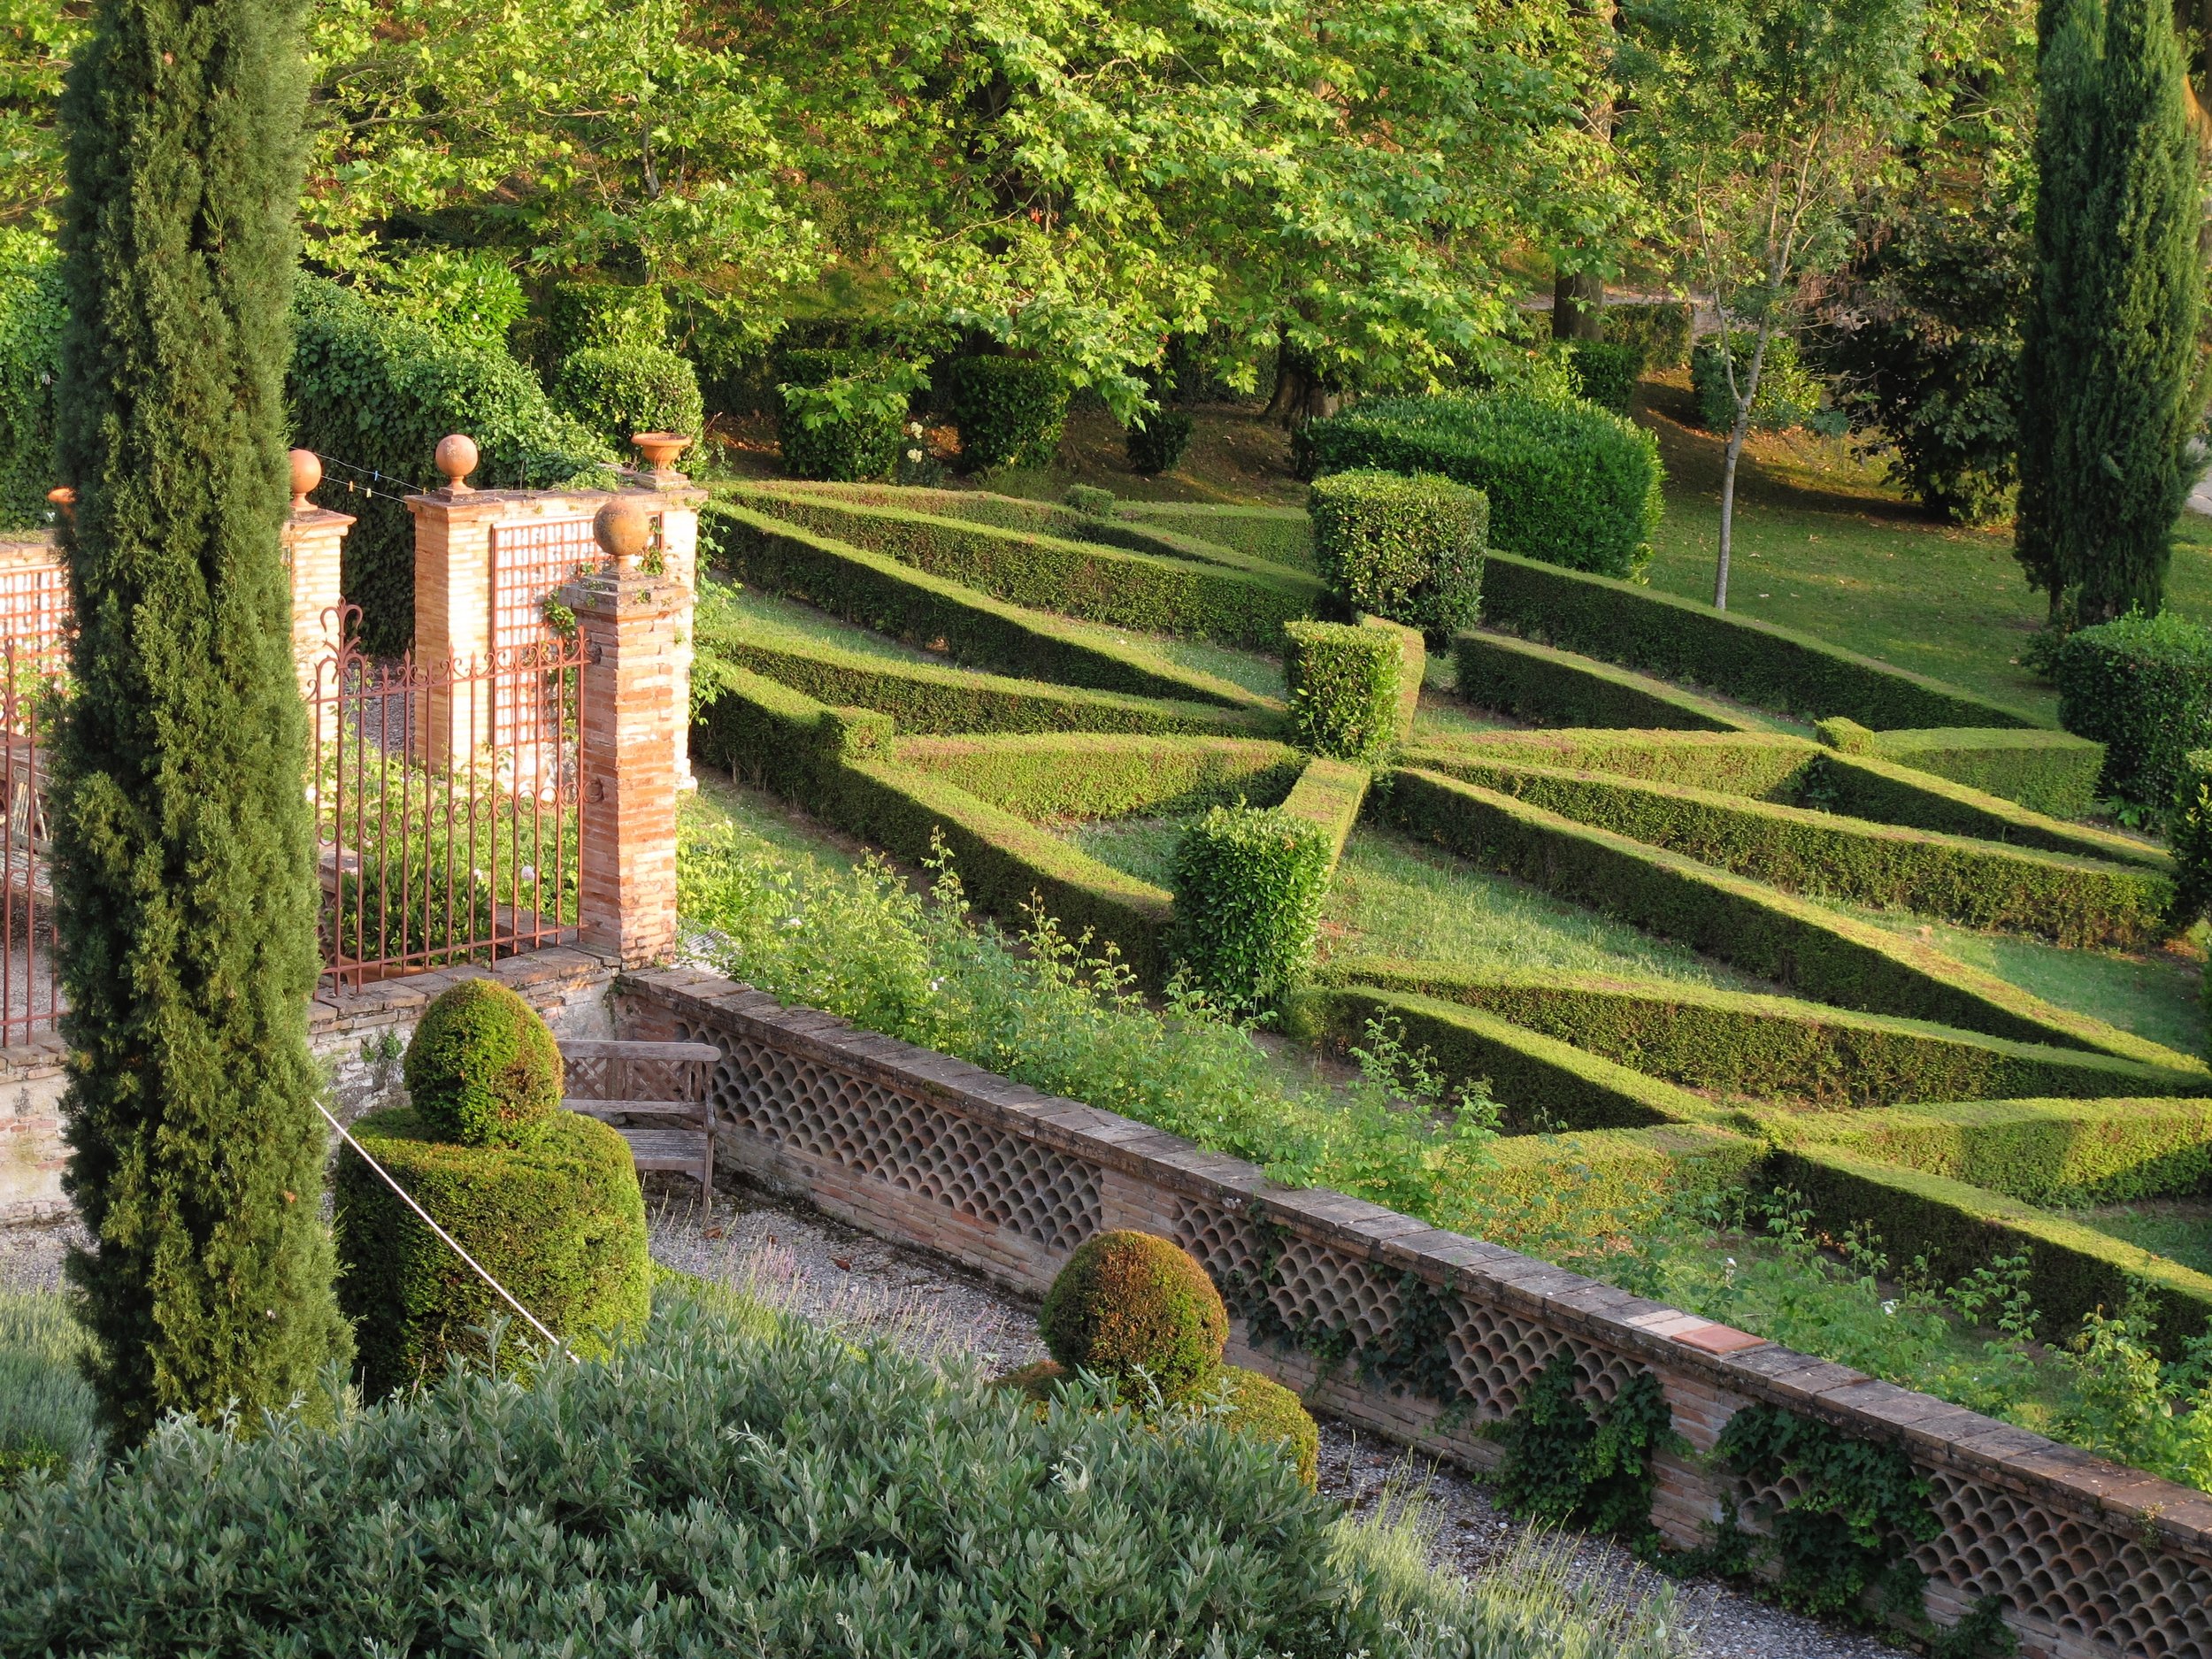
(1137, 1310)
(1258, 1406)
(482, 1070)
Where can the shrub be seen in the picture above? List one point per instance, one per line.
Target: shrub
(1091, 500)
(1097, 775)
(1137, 1310)
(1788, 394)
(1156, 441)
(1564, 1463)
(1551, 687)
(560, 1223)
(2052, 772)
(2142, 686)
(840, 414)
(1264, 1410)
(618, 391)
(620, 316)
(1249, 884)
(1606, 371)
(2189, 833)
(471, 297)
(1010, 410)
(1571, 484)
(1662, 328)
(1407, 548)
(1343, 687)
(481, 1068)
(32, 310)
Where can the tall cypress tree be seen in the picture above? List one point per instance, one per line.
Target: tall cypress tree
(2109, 379)
(183, 872)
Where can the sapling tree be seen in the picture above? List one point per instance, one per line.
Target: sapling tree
(183, 872)
(1755, 122)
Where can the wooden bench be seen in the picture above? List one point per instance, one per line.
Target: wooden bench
(664, 1083)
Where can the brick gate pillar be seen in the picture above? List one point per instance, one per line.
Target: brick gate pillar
(314, 538)
(632, 709)
(677, 513)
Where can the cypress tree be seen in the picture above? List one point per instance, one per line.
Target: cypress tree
(2111, 384)
(183, 861)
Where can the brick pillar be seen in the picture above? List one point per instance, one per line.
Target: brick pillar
(633, 702)
(453, 618)
(313, 539)
(679, 510)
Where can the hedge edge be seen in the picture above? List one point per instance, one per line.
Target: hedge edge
(1542, 682)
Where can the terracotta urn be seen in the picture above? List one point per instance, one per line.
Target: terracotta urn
(661, 450)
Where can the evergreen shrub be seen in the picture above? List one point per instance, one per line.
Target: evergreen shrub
(1250, 884)
(1406, 548)
(1867, 786)
(1090, 500)
(1606, 371)
(1137, 1310)
(618, 316)
(1343, 686)
(1519, 677)
(1759, 766)
(1788, 394)
(1097, 775)
(33, 308)
(1010, 410)
(1568, 483)
(1262, 1409)
(481, 1068)
(840, 414)
(618, 391)
(1156, 441)
(2142, 686)
(2052, 772)
(2189, 833)
(1661, 327)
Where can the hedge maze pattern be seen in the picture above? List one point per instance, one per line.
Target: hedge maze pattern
(1643, 797)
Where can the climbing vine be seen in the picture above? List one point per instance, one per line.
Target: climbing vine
(1564, 1462)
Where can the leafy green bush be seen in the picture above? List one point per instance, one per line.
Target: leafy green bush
(1156, 441)
(1407, 548)
(1282, 535)
(1343, 686)
(1249, 884)
(1662, 328)
(2142, 686)
(1565, 1463)
(1788, 394)
(560, 1221)
(1010, 410)
(840, 414)
(618, 391)
(620, 316)
(1570, 484)
(481, 1068)
(1606, 371)
(32, 310)
(1519, 677)
(1091, 500)
(470, 295)
(2189, 833)
(1760, 766)
(1262, 1409)
(1137, 1310)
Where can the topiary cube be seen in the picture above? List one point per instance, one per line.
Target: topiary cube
(618, 391)
(851, 437)
(1138, 1312)
(2142, 686)
(1250, 884)
(1010, 410)
(1344, 684)
(482, 1069)
(1264, 1409)
(1407, 549)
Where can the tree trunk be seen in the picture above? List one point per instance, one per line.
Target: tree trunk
(1578, 307)
(1737, 433)
(1301, 392)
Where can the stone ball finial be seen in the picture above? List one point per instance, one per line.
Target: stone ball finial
(623, 529)
(307, 472)
(457, 458)
(65, 499)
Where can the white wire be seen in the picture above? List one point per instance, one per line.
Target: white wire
(408, 1198)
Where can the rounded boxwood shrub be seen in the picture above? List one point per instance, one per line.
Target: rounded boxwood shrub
(1137, 1310)
(1409, 548)
(560, 1223)
(1010, 410)
(2142, 686)
(618, 391)
(482, 1069)
(1263, 1409)
(840, 415)
(1343, 684)
(1249, 886)
(1156, 441)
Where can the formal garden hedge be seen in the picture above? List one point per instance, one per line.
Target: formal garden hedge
(1863, 786)
(1282, 535)
(1250, 884)
(2052, 772)
(2142, 686)
(33, 308)
(1537, 682)
(1758, 765)
(1075, 579)
(1738, 657)
(1087, 776)
(1344, 686)
(1406, 549)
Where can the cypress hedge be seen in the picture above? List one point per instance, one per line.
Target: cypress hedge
(1075, 579)
(1770, 1048)
(1537, 682)
(183, 856)
(2052, 772)
(1734, 656)
(1759, 766)
(1095, 776)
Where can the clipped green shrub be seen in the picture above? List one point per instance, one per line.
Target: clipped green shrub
(1090, 500)
(1329, 795)
(1136, 1310)
(1010, 410)
(2142, 686)
(1406, 548)
(1760, 766)
(1865, 787)
(470, 295)
(586, 315)
(1606, 371)
(481, 1068)
(1662, 328)
(1261, 1408)
(1343, 684)
(2189, 833)
(1250, 884)
(560, 1221)
(2052, 772)
(1568, 484)
(620, 391)
(1538, 682)
(1072, 775)
(32, 310)
(1282, 535)
(1156, 442)
(840, 414)
(1788, 395)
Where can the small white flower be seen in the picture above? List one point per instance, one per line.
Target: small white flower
(913, 429)
(936, 984)
(791, 921)
(529, 872)
(914, 454)
(1732, 1261)
(1890, 1307)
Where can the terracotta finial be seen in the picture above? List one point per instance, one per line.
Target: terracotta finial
(307, 472)
(457, 458)
(623, 528)
(65, 499)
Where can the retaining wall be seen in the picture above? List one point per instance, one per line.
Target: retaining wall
(2092, 1560)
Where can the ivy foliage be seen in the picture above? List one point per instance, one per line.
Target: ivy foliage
(1568, 1466)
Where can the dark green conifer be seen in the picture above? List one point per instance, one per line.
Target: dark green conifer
(183, 866)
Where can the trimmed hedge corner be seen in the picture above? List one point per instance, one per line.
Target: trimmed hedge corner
(1330, 793)
(1010, 410)
(2052, 772)
(2142, 686)
(1344, 684)
(1407, 550)
(1249, 884)
(1537, 682)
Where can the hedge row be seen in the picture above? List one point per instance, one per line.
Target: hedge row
(882, 594)
(1737, 657)
(1537, 682)
(1759, 766)
(1771, 1048)
(1345, 687)
(1614, 1181)
(2041, 1151)
(2052, 772)
(2069, 900)
(2072, 1269)
(1831, 958)
(1330, 794)
(2141, 686)
(1282, 535)
(1109, 585)
(1094, 776)
(1863, 786)
(1413, 671)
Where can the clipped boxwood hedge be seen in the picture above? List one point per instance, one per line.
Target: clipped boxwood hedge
(2142, 686)
(2052, 772)
(1075, 579)
(1760, 766)
(1330, 793)
(1867, 786)
(859, 441)
(1010, 410)
(1736, 657)
(879, 593)
(2069, 900)
(1829, 957)
(1614, 1181)
(620, 391)
(1282, 535)
(1769, 1047)
(1606, 371)
(1407, 550)
(1568, 483)
(1537, 682)
(1087, 776)
(1343, 686)
(1250, 884)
